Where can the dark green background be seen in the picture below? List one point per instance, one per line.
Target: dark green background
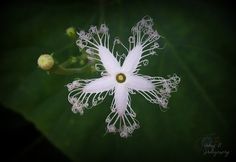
(200, 48)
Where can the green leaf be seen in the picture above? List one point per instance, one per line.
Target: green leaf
(194, 50)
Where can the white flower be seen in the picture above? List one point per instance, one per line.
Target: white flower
(120, 78)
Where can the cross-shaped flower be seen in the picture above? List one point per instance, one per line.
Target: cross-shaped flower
(120, 78)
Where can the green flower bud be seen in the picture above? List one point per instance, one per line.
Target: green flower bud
(45, 61)
(74, 59)
(71, 32)
(82, 62)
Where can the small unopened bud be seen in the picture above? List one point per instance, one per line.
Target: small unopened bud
(73, 59)
(82, 62)
(71, 32)
(45, 61)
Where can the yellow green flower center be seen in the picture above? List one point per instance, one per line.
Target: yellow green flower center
(120, 78)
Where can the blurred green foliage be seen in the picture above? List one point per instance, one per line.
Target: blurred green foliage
(199, 48)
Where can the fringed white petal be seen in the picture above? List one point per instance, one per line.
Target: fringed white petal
(105, 83)
(132, 60)
(88, 93)
(139, 83)
(122, 117)
(163, 89)
(108, 60)
(121, 98)
(96, 44)
(142, 43)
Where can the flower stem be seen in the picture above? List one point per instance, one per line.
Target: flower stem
(62, 70)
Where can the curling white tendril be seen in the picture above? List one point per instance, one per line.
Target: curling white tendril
(119, 75)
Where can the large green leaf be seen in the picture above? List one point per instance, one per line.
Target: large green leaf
(198, 48)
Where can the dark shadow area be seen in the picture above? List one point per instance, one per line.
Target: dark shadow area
(21, 141)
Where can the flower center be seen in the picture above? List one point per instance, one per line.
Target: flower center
(120, 78)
